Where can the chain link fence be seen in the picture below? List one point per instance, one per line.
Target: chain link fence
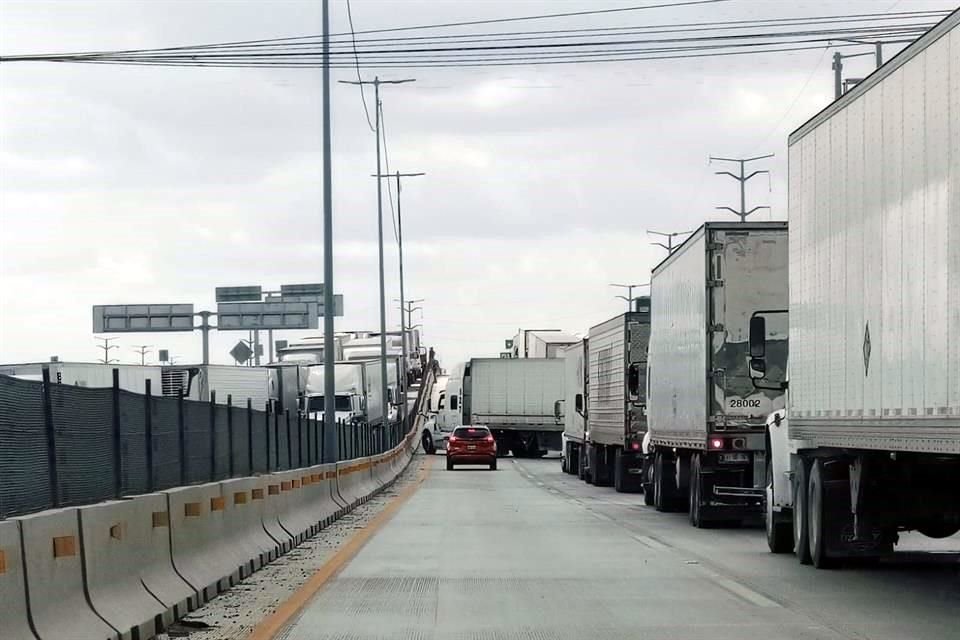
(63, 445)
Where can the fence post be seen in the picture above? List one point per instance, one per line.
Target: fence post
(148, 432)
(51, 440)
(339, 441)
(250, 435)
(299, 442)
(213, 435)
(276, 440)
(117, 453)
(286, 417)
(266, 431)
(230, 468)
(309, 443)
(322, 437)
(182, 439)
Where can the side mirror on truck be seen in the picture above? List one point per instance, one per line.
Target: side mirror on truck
(758, 347)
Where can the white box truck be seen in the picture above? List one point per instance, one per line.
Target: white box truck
(869, 443)
(259, 384)
(572, 410)
(358, 392)
(515, 398)
(617, 405)
(706, 418)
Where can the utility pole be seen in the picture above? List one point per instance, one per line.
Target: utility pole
(742, 179)
(376, 82)
(403, 325)
(143, 350)
(106, 346)
(840, 86)
(629, 297)
(408, 307)
(669, 236)
(329, 387)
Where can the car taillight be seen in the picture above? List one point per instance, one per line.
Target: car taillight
(489, 438)
(452, 439)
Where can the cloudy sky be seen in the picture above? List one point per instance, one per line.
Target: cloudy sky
(141, 185)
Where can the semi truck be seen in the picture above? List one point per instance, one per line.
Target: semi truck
(258, 384)
(706, 451)
(541, 343)
(515, 398)
(617, 407)
(358, 399)
(572, 410)
(869, 442)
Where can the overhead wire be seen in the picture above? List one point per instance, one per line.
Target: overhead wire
(363, 95)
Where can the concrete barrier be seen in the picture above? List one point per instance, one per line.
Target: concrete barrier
(268, 490)
(324, 505)
(114, 536)
(244, 524)
(293, 516)
(346, 484)
(197, 536)
(54, 572)
(14, 617)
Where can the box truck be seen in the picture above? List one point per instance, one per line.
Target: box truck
(617, 406)
(258, 384)
(515, 398)
(869, 443)
(133, 377)
(706, 417)
(358, 392)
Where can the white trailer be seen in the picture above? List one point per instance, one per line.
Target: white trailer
(869, 443)
(705, 416)
(573, 408)
(542, 343)
(515, 398)
(258, 384)
(133, 377)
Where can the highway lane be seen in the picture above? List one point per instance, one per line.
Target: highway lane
(529, 552)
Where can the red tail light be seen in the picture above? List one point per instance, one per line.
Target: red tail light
(635, 446)
(489, 438)
(716, 443)
(452, 439)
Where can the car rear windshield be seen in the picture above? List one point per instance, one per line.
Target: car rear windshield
(471, 433)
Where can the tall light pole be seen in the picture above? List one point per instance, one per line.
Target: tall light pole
(629, 297)
(742, 179)
(403, 326)
(376, 82)
(408, 308)
(669, 236)
(329, 385)
(143, 350)
(106, 346)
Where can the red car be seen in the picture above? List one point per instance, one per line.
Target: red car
(471, 445)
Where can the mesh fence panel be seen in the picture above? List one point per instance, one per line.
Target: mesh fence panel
(241, 445)
(133, 443)
(83, 420)
(196, 418)
(166, 453)
(261, 432)
(221, 469)
(24, 475)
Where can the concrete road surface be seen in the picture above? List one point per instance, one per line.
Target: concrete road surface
(530, 553)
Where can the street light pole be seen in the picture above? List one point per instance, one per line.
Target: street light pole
(403, 325)
(669, 236)
(629, 297)
(376, 82)
(329, 385)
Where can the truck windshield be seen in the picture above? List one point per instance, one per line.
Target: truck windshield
(316, 403)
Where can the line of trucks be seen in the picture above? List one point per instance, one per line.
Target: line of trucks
(809, 375)
(283, 386)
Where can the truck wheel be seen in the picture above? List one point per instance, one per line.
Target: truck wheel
(779, 534)
(582, 464)
(938, 529)
(618, 472)
(665, 485)
(696, 516)
(801, 545)
(648, 489)
(817, 518)
(427, 441)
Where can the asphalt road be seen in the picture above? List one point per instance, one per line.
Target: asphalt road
(529, 552)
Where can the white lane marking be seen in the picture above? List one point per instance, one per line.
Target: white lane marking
(742, 591)
(651, 542)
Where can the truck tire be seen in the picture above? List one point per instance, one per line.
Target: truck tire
(696, 515)
(779, 534)
(939, 529)
(801, 544)
(817, 520)
(648, 489)
(665, 484)
(427, 441)
(603, 468)
(623, 481)
(582, 464)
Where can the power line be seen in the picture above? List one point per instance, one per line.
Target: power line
(363, 96)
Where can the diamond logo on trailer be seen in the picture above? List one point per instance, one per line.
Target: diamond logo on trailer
(866, 351)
